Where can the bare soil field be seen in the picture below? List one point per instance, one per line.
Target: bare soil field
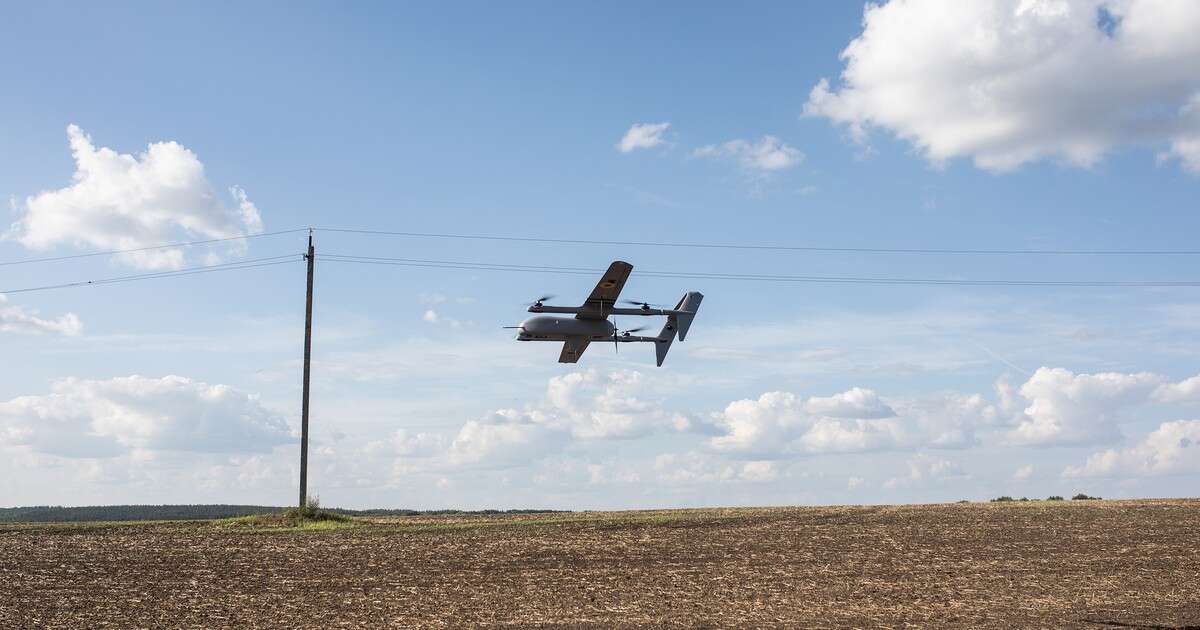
(1093, 564)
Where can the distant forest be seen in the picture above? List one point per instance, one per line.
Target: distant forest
(59, 514)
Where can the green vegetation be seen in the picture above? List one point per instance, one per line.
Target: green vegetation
(1054, 497)
(1083, 497)
(308, 516)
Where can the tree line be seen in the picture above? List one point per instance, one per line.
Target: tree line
(60, 514)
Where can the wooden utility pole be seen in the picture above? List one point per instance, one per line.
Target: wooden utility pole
(310, 257)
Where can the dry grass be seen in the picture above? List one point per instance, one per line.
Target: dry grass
(1049, 564)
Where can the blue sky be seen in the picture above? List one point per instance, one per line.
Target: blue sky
(1042, 131)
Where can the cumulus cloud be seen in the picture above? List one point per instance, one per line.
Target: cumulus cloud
(781, 423)
(1005, 83)
(403, 443)
(577, 406)
(1185, 145)
(853, 403)
(694, 468)
(18, 319)
(643, 136)
(1054, 407)
(1068, 408)
(1023, 473)
(766, 155)
(596, 405)
(123, 201)
(951, 420)
(101, 418)
(924, 468)
(1174, 447)
(431, 316)
(505, 438)
(1185, 391)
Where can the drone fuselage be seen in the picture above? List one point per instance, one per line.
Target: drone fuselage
(547, 328)
(590, 322)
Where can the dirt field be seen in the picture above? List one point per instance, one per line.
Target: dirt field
(1063, 564)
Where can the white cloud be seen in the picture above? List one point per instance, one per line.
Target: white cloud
(611, 473)
(1186, 144)
(122, 201)
(1023, 473)
(1067, 408)
(435, 298)
(595, 405)
(1174, 447)
(577, 406)
(431, 316)
(768, 154)
(828, 435)
(18, 319)
(923, 468)
(853, 403)
(762, 425)
(643, 136)
(101, 418)
(1185, 391)
(404, 443)
(505, 438)
(760, 470)
(1005, 83)
(950, 420)
(1054, 407)
(698, 468)
(780, 423)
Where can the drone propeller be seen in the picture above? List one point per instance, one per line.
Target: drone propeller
(645, 305)
(623, 333)
(538, 301)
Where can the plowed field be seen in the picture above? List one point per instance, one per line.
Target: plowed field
(1045, 564)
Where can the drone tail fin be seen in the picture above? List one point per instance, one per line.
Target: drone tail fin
(685, 311)
(665, 338)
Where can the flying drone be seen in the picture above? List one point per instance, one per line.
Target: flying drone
(591, 319)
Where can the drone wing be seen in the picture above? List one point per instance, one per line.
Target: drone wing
(573, 348)
(606, 292)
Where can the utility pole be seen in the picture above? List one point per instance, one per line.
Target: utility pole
(310, 257)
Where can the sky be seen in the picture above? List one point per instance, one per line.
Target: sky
(1048, 125)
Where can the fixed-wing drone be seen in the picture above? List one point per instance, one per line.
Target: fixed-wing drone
(591, 320)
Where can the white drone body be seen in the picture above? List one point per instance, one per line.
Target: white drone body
(590, 322)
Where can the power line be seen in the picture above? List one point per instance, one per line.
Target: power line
(589, 271)
(187, 271)
(794, 248)
(476, 266)
(665, 244)
(113, 252)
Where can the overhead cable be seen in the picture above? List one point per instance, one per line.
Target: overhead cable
(796, 248)
(113, 252)
(467, 265)
(186, 271)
